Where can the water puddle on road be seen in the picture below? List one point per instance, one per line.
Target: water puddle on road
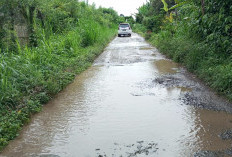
(182, 89)
(146, 48)
(166, 66)
(116, 111)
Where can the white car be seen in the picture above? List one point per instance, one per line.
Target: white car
(124, 29)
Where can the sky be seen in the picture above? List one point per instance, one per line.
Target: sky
(125, 7)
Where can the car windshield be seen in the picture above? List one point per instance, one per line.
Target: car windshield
(124, 25)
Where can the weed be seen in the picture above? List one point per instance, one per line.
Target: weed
(68, 37)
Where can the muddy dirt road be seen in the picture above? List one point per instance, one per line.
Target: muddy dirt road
(132, 102)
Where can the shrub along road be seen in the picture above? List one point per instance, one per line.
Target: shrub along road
(132, 101)
(64, 38)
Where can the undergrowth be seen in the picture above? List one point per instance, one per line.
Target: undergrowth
(31, 75)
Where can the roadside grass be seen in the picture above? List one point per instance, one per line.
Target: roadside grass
(32, 76)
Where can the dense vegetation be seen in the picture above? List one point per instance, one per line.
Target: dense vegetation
(196, 33)
(64, 37)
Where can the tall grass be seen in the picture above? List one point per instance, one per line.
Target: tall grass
(31, 76)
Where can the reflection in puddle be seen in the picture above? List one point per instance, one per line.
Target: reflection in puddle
(211, 125)
(166, 66)
(146, 48)
(204, 133)
(182, 89)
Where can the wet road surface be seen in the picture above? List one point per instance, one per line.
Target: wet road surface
(132, 102)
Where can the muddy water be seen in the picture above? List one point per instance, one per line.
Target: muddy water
(131, 102)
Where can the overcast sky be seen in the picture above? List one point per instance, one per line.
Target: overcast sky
(125, 7)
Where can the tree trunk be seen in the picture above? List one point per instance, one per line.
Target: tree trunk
(203, 7)
(32, 38)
